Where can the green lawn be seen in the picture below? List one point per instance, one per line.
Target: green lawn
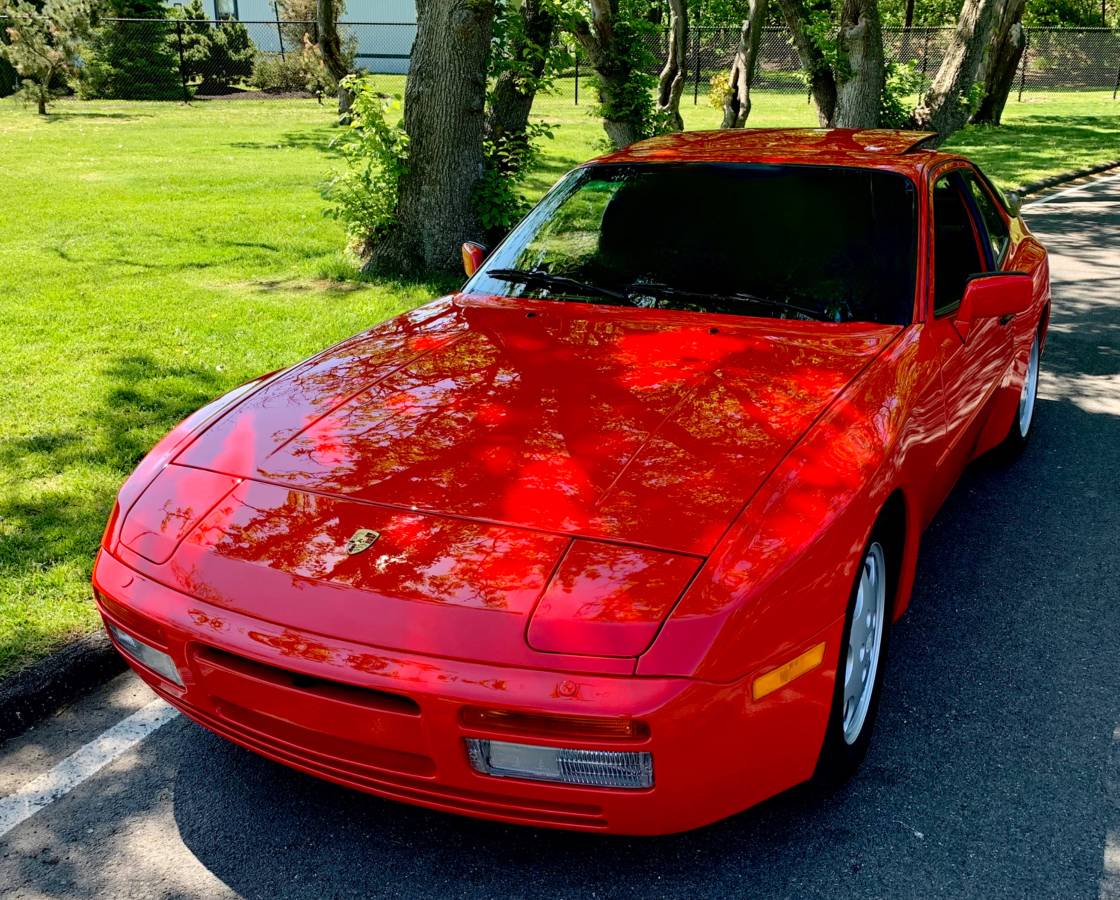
(154, 255)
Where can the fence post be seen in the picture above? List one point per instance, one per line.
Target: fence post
(1023, 71)
(696, 65)
(279, 30)
(182, 67)
(1116, 86)
(577, 75)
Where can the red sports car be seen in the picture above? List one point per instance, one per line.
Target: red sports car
(612, 538)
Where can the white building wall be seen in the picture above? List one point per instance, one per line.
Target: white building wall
(384, 29)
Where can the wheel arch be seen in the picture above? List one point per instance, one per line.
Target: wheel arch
(897, 524)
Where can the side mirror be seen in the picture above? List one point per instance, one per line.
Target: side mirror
(1014, 202)
(473, 255)
(993, 295)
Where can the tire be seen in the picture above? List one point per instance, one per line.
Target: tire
(1019, 433)
(852, 717)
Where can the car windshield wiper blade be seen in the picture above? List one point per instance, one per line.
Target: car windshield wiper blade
(548, 280)
(656, 288)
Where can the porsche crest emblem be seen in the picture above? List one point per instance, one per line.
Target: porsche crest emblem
(361, 540)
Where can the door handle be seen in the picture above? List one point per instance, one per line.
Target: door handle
(1005, 319)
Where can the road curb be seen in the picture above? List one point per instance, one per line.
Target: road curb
(1033, 187)
(43, 687)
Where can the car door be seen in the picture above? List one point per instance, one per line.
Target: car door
(974, 355)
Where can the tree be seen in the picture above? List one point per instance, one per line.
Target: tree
(847, 72)
(670, 84)
(946, 105)
(861, 71)
(1008, 42)
(444, 102)
(43, 44)
(807, 32)
(218, 54)
(520, 67)
(131, 60)
(610, 33)
(844, 63)
(330, 49)
(737, 98)
(523, 60)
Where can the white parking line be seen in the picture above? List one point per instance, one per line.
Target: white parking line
(1071, 190)
(82, 763)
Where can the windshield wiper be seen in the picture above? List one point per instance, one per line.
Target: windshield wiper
(658, 289)
(545, 279)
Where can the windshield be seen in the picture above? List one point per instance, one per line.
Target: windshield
(807, 242)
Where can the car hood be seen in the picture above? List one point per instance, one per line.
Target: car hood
(651, 428)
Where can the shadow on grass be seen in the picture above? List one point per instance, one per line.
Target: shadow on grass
(68, 478)
(1020, 148)
(55, 117)
(294, 140)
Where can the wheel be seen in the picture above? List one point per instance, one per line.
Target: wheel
(1020, 430)
(859, 672)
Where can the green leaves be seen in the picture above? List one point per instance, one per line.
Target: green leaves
(364, 195)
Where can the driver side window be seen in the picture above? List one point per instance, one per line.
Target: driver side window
(956, 249)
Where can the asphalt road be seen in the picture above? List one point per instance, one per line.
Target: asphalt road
(995, 769)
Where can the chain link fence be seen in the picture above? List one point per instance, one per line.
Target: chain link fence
(1055, 59)
(179, 58)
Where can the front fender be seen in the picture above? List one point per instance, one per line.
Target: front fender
(783, 573)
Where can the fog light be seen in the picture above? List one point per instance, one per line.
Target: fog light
(593, 768)
(154, 659)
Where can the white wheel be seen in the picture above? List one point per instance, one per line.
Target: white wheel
(865, 643)
(1029, 393)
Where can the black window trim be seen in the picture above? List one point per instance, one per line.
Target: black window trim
(953, 169)
(985, 185)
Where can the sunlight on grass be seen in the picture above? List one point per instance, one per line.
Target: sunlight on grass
(153, 256)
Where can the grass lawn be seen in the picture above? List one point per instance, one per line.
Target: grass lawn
(154, 255)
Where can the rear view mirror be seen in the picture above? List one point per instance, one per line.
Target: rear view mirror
(473, 256)
(1013, 201)
(993, 295)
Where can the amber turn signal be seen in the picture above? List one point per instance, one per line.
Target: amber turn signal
(554, 726)
(784, 674)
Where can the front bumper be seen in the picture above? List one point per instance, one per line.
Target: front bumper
(391, 723)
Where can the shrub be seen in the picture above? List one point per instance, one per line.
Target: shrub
(9, 80)
(42, 44)
(299, 29)
(133, 60)
(364, 195)
(216, 54)
(297, 70)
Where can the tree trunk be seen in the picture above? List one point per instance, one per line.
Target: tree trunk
(670, 85)
(444, 101)
(908, 21)
(859, 88)
(1002, 63)
(822, 81)
(621, 120)
(330, 49)
(945, 106)
(43, 92)
(511, 99)
(737, 106)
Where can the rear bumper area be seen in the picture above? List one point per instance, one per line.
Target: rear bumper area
(392, 724)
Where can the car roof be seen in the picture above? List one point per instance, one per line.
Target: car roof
(878, 147)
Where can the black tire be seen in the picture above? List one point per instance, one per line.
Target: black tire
(1018, 436)
(841, 755)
